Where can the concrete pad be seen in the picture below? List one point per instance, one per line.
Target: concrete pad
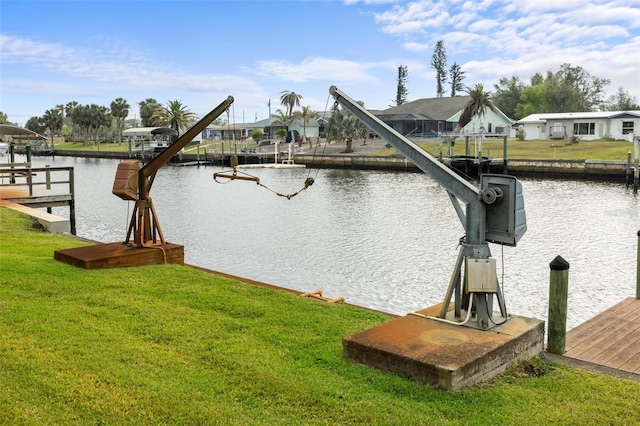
(448, 356)
(52, 223)
(119, 255)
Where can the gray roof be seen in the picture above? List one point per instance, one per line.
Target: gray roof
(401, 117)
(16, 132)
(433, 108)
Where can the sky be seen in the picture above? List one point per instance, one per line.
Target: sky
(200, 52)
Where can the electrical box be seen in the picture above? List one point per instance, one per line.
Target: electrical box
(506, 221)
(480, 275)
(125, 185)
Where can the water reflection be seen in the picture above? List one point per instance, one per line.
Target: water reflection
(385, 240)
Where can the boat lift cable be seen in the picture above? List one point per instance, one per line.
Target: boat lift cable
(234, 174)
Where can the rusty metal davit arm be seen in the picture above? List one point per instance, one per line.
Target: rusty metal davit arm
(474, 244)
(134, 183)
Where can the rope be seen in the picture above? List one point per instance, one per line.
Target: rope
(308, 181)
(246, 176)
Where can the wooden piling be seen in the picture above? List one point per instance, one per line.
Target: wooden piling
(636, 170)
(558, 295)
(504, 156)
(629, 171)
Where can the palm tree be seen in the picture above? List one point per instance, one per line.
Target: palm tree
(36, 124)
(343, 125)
(147, 108)
(306, 114)
(68, 109)
(53, 119)
(81, 115)
(281, 118)
(290, 100)
(119, 111)
(477, 105)
(174, 115)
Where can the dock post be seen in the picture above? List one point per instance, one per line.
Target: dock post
(504, 155)
(635, 170)
(48, 184)
(72, 202)
(12, 160)
(558, 294)
(628, 177)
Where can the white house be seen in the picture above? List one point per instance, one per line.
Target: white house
(491, 122)
(429, 117)
(268, 126)
(621, 125)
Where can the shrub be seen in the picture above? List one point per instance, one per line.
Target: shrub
(256, 135)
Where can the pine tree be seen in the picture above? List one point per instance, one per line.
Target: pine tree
(401, 94)
(456, 76)
(439, 63)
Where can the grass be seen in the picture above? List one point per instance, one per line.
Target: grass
(210, 146)
(538, 150)
(169, 344)
(562, 150)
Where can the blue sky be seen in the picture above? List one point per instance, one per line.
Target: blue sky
(199, 52)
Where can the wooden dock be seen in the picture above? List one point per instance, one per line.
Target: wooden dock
(611, 339)
(38, 187)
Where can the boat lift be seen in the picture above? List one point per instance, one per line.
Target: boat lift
(494, 212)
(133, 183)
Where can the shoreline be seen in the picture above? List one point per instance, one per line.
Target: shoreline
(593, 170)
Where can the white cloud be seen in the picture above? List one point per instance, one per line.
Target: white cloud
(322, 69)
(499, 38)
(97, 66)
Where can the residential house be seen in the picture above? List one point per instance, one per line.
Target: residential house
(584, 125)
(268, 126)
(430, 117)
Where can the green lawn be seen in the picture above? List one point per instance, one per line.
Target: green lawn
(175, 345)
(540, 150)
(521, 150)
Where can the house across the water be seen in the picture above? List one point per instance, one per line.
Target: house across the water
(429, 117)
(620, 125)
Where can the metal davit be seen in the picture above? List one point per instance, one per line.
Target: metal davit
(134, 183)
(493, 212)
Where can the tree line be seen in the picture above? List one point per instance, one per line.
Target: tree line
(91, 123)
(569, 89)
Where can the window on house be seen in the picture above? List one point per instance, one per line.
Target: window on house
(627, 127)
(584, 128)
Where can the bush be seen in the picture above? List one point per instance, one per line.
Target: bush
(256, 135)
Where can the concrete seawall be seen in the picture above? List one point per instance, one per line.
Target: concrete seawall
(614, 171)
(591, 170)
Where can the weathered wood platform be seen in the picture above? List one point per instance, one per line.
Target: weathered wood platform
(448, 356)
(610, 339)
(119, 255)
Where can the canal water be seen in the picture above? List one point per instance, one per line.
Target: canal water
(384, 240)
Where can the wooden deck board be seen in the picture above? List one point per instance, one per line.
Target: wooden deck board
(611, 338)
(586, 331)
(624, 360)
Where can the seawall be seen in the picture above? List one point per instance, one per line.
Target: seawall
(614, 171)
